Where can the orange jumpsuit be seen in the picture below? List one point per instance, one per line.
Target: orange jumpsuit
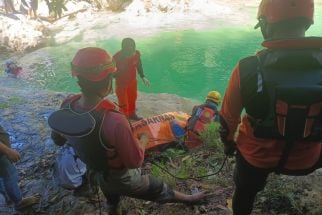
(126, 83)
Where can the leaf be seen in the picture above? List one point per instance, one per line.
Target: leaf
(230, 204)
(185, 158)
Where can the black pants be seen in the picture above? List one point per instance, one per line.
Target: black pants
(249, 180)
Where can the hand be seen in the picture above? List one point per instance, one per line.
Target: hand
(143, 139)
(223, 132)
(229, 147)
(146, 82)
(13, 155)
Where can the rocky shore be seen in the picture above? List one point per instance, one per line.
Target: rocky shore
(24, 110)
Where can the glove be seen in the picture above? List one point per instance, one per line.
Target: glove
(229, 147)
(146, 82)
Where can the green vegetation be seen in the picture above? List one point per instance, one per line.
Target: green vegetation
(14, 100)
(195, 163)
(210, 138)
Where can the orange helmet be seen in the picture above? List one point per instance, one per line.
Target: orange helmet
(93, 64)
(279, 10)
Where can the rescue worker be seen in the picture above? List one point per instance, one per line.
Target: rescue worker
(281, 91)
(9, 175)
(201, 116)
(102, 137)
(128, 62)
(9, 6)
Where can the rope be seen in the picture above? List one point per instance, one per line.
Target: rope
(96, 189)
(192, 178)
(98, 199)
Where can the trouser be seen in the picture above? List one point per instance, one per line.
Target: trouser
(127, 96)
(249, 180)
(132, 184)
(9, 180)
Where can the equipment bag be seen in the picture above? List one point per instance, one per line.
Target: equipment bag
(298, 113)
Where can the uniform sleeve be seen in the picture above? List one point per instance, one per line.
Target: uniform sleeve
(57, 138)
(140, 67)
(117, 131)
(232, 106)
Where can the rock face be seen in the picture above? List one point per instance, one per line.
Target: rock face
(82, 22)
(19, 33)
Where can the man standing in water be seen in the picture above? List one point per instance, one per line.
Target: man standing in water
(128, 62)
(102, 137)
(281, 91)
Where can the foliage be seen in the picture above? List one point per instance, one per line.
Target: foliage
(158, 172)
(211, 140)
(172, 152)
(288, 195)
(195, 163)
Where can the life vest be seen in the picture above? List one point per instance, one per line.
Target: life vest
(282, 93)
(162, 129)
(83, 132)
(201, 116)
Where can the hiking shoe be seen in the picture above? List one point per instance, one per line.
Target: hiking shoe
(135, 117)
(27, 202)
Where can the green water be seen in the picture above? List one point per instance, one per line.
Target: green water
(187, 63)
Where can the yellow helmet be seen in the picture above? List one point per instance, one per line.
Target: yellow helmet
(214, 96)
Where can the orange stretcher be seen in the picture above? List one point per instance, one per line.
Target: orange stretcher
(163, 129)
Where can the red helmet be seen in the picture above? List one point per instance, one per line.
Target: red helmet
(93, 64)
(278, 10)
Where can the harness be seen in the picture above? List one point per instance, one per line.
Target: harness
(282, 94)
(201, 116)
(83, 132)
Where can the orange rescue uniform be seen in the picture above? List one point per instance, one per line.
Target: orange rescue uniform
(264, 153)
(126, 83)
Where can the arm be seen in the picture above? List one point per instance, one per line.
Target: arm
(117, 131)
(141, 73)
(58, 139)
(140, 68)
(12, 154)
(4, 137)
(5, 149)
(230, 111)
